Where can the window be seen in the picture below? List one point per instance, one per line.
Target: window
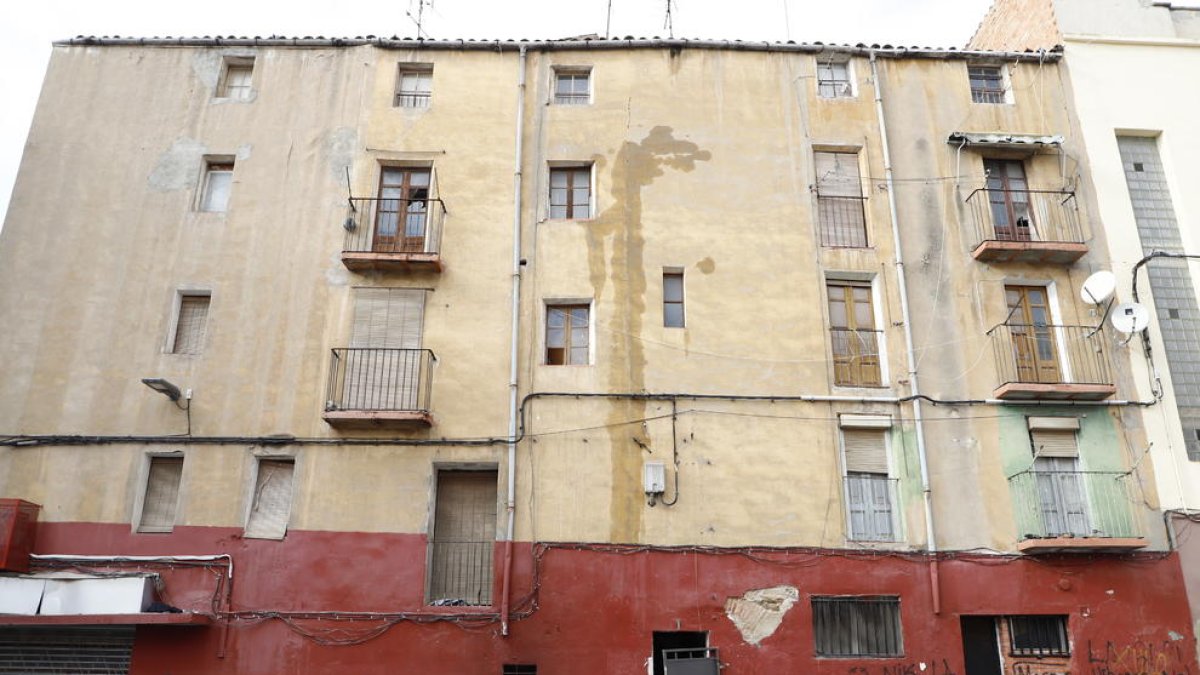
(853, 335)
(1032, 332)
(1061, 490)
(840, 200)
(235, 81)
(672, 299)
(567, 335)
(385, 367)
(571, 192)
(414, 85)
(190, 324)
(987, 84)
(833, 80)
(849, 626)
(402, 212)
(572, 86)
(161, 498)
(518, 669)
(218, 180)
(271, 503)
(464, 533)
(870, 493)
(1039, 636)
(1008, 198)
(667, 646)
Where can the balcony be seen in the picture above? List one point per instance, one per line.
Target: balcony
(1051, 362)
(393, 235)
(373, 388)
(1074, 511)
(1029, 226)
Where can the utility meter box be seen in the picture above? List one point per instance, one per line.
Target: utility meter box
(655, 478)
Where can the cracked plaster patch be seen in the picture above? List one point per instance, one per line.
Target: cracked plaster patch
(758, 613)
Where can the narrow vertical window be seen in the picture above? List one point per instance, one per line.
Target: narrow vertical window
(673, 299)
(464, 533)
(572, 86)
(271, 503)
(840, 203)
(571, 192)
(870, 492)
(235, 81)
(414, 86)
(190, 324)
(567, 335)
(218, 181)
(853, 335)
(161, 498)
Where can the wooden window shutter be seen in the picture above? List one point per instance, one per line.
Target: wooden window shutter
(1054, 443)
(837, 174)
(388, 318)
(162, 494)
(866, 451)
(189, 328)
(271, 504)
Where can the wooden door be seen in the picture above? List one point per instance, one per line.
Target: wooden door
(1032, 329)
(400, 218)
(1008, 195)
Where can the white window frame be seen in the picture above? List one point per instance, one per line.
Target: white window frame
(244, 94)
(556, 71)
(211, 164)
(547, 303)
(557, 164)
(870, 422)
(677, 271)
(406, 68)
(176, 308)
(143, 484)
(851, 84)
(256, 459)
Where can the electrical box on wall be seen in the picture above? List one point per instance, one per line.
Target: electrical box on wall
(655, 474)
(18, 524)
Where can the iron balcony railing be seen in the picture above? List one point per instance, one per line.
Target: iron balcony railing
(460, 573)
(1073, 503)
(871, 507)
(842, 221)
(855, 357)
(386, 225)
(1050, 354)
(1024, 215)
(373, 379)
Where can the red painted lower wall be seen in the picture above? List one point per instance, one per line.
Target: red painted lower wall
(596, 607)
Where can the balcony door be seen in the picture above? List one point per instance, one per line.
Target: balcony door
(1062, 496)
(400, 218)
(383, 364)
(1031, 327)
(1008, 196)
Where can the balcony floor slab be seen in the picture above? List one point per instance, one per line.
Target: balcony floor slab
(1081, 545)
(366, 261)
(1028, 391)
(378, 419)
(1036, 252)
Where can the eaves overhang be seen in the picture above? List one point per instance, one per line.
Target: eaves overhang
(1004, 140)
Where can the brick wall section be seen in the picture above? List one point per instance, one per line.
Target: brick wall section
(1018, 25)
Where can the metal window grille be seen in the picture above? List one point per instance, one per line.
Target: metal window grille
(66, 650)
(857, 626)
(1039, 635)
(987, 84)
(464, 533)
(518, 669)
(841, 212)
(691, 661)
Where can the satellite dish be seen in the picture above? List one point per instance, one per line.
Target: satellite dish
(1130, 317)
(1099, 287)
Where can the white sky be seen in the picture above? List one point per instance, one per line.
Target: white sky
(26, 33)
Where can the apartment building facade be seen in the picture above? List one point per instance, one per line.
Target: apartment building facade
(580, 356)
(1127, 70)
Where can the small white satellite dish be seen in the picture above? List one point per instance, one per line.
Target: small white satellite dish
(1130, 317)
(1099, 287)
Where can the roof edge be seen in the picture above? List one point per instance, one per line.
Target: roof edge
(883, 51)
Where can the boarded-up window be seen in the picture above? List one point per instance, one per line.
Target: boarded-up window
(190, 324)
(162, 494)
(840, 213)
(464, 533)
(271, 504)
(851, 626)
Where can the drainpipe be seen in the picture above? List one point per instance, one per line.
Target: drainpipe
(513, 399)
(931, 541)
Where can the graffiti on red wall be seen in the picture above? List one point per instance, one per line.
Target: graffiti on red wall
(911, 668)
(1139, 658)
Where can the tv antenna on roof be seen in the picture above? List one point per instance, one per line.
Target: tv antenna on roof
(419, 19)
(668, 23)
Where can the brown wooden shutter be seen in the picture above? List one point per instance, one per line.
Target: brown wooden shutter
(271, 504)
(162, 494)
(866, 451)
(387, 318)
(189, 328)
(1054, 443)
(464, 533)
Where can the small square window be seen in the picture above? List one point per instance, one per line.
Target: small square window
(235, 81)
(414, 86)
(190, 324)
(572, 86)
(854, 626)
(161, 498)
(987, 84)
(568, 335)
(571, 192)
(1039, 635)
(672, 299)
(833, 80)
(218, 181)
(519, 669)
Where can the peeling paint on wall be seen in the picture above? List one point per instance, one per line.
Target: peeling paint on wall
(758, 613)
(179, 167)
(340, 147)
